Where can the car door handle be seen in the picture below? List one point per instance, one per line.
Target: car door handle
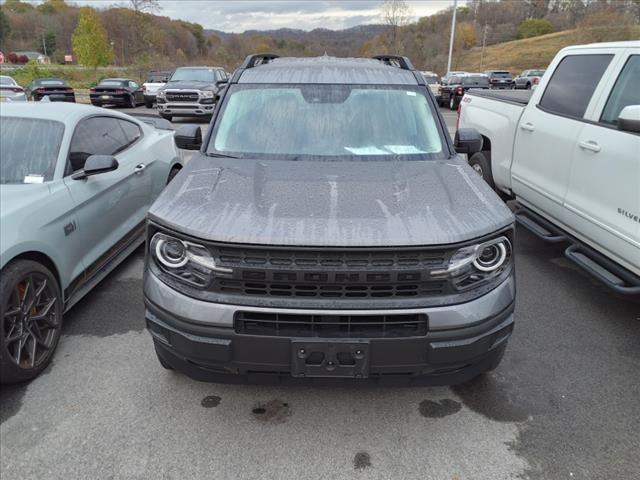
(139, 168)
(527, 127)
(589, 145)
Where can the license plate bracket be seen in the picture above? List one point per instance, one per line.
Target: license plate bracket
(330, 358)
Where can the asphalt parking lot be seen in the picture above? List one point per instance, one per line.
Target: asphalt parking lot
(564, 403)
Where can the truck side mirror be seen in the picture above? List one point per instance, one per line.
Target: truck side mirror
(629, 119)
(468, 140)
(189, 137)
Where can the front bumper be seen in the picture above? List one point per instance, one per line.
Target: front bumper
(198, 339)
(183, 109)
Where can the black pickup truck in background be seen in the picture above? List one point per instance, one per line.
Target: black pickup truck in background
(452, 92)
(500, 78)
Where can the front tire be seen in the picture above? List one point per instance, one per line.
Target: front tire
(132, 102)
(528, 86)
(30, 318)
(452, 103)
(148, 104)
(481, 163)
(166, 117)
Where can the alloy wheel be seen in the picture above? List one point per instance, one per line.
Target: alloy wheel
(31, 321)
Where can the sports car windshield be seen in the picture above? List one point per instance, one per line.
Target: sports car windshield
(28, 149)
(324, 122)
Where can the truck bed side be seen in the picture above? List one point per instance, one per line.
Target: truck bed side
(496, 116)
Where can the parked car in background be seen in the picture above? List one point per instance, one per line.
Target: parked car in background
(76, 184)
(499, 78)
(154, 81)
(527, 79)
(57, 89)
(451, 94)
(568, 152)
(10, 90)
(190, 92)
(361, 249)
(433, 81)
(117, 91)
(452, 74)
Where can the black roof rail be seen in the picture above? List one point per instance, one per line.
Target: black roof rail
(256, 59)
(395, 61)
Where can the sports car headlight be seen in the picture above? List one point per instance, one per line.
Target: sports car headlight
(475, 264)
(206, 94)
(187, 261)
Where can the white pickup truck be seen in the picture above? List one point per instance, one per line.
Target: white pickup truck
(569, 154)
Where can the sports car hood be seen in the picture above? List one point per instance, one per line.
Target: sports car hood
(374, 203)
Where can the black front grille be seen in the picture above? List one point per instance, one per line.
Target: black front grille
(331, 326)
(182, 96)
(309, 273)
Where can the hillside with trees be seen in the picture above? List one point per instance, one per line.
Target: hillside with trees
(138, 36)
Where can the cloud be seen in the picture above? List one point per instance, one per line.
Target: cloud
(240, 15)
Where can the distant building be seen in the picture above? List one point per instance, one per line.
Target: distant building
(37, 56)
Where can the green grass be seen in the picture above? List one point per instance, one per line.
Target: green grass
(78, 77)
(537, 52)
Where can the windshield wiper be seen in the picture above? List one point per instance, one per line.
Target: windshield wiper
(221, 155)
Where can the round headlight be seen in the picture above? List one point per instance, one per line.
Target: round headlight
(171, 252)
(491, 257)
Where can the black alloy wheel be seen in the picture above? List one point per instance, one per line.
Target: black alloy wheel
(31, 317)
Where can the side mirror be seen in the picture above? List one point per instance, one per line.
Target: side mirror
(95, 165)
(222, 83)
(189, 137)
(629, 119)
(468, 140)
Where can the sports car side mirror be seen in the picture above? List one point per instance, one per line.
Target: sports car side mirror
(189, 137)
(95, 165)
(468, 140)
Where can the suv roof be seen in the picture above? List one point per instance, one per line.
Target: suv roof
(327, 69)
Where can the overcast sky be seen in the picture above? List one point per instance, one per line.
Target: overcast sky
(241, 15)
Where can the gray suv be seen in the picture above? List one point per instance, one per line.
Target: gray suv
(190, 92)
(329, 230)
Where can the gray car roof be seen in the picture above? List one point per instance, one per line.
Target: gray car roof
(328, 70)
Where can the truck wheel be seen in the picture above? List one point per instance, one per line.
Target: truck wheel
(148, 104)
(30, 319)
(528, 86)
(452, 103)
(481, 163)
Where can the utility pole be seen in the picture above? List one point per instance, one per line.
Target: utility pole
(484, 42)
(453, 31)
(44, 45)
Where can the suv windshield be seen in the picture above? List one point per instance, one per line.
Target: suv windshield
(326, 122)
(193, 75)
(28, 149)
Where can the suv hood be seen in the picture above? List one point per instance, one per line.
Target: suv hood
(191, 85)
(324, 203)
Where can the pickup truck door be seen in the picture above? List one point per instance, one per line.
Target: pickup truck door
(111, 206)
(604, 190)
(548, 130)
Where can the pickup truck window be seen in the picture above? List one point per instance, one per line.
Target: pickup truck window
(575, 79)
(321, 122)
(625, 92)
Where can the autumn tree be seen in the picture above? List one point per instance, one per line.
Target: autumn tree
(5, 28)
(149, 6)
(396, 14)
(90, 43)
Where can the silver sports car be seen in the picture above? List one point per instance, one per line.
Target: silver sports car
(75, 185)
